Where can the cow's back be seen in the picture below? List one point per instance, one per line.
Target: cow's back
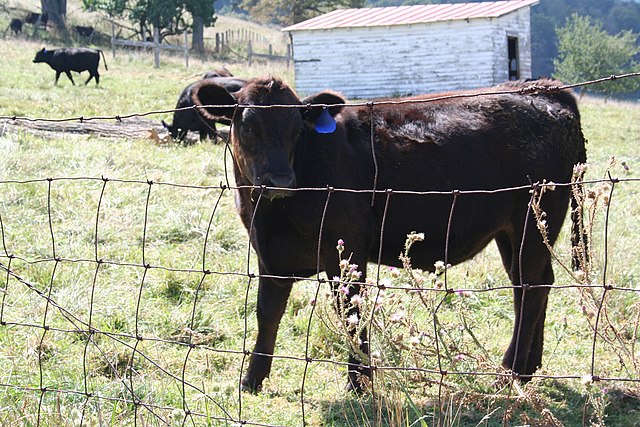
(485, 142)
(484, 147)
(76, 59)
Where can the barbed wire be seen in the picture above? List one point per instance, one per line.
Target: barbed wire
(533, 88)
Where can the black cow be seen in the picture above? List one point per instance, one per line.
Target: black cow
(16, 26)
(69, 59)
(188, 119)
(218, 72)
(84, 31)
(33, 18)
(477, 143)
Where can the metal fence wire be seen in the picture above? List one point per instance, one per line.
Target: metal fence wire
(65, 319)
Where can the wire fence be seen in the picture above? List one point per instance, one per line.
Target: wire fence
(88, 351)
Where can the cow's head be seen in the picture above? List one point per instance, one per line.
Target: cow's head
(173, 130)
(41, 56)
(267, 124)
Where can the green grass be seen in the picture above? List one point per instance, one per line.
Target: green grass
(174, 302)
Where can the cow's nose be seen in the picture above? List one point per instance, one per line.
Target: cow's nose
(282, 180)
(279, 186)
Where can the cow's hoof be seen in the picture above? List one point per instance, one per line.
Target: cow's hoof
(250, 386)
(358, 383)
(509, 378)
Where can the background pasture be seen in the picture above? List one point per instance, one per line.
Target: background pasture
(172, 304)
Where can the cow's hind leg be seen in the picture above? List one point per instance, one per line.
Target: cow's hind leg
(93, 75)
(272, 301)
(531, 274)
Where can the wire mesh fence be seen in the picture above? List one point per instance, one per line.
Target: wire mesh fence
(131, 302)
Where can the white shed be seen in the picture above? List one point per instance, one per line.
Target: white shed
(392, 51)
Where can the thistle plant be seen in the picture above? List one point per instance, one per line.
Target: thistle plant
(410, 319)
(613, 317)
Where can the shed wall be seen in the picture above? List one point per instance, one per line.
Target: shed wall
(516, 24)
(374, 62)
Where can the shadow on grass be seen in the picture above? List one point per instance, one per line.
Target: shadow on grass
(598, 404)
(547, 403)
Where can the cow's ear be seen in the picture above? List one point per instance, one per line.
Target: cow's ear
(322, 117)
(216, 101)
(323, 98)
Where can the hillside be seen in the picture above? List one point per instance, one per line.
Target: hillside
(239, 30)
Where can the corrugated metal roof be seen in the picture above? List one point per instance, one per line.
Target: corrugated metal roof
(404, 15)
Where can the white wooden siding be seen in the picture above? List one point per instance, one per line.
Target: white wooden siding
(516, 24)
(375, 62)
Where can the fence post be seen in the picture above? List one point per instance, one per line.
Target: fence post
(113, 39)
(218, 43)
(186, 49)
(156, 46)
(249, 52)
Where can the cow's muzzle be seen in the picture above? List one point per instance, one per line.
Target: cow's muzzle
(278, 185)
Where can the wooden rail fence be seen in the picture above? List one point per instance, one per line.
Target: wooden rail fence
(154, 45)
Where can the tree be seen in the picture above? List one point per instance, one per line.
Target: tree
(616, 16)
(57, 12)
(202, 13)
(287, 12)
(587, 52)
(168, 16)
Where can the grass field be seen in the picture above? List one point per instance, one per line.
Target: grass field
(139, 242)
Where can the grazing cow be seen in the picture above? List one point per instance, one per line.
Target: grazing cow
(219, 72)
(190, 119)
(474, 143)
(69, 59)
(33, 18)
(85, 32)
(16, 26)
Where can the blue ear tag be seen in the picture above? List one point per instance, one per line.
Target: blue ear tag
(325, 123)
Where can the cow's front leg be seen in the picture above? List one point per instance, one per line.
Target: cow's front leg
(272, 301)
(347, 294)
(359, 370)
(68, 73)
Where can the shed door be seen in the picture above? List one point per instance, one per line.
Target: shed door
(514, 63)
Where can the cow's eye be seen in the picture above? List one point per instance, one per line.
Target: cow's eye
(246, 130)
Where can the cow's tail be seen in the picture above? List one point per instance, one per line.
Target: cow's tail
(104, 60)
(579, 239)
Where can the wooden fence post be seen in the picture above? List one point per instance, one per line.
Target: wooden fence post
(249, 52)
(186, 50)
(113, 39)
(156, 46)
